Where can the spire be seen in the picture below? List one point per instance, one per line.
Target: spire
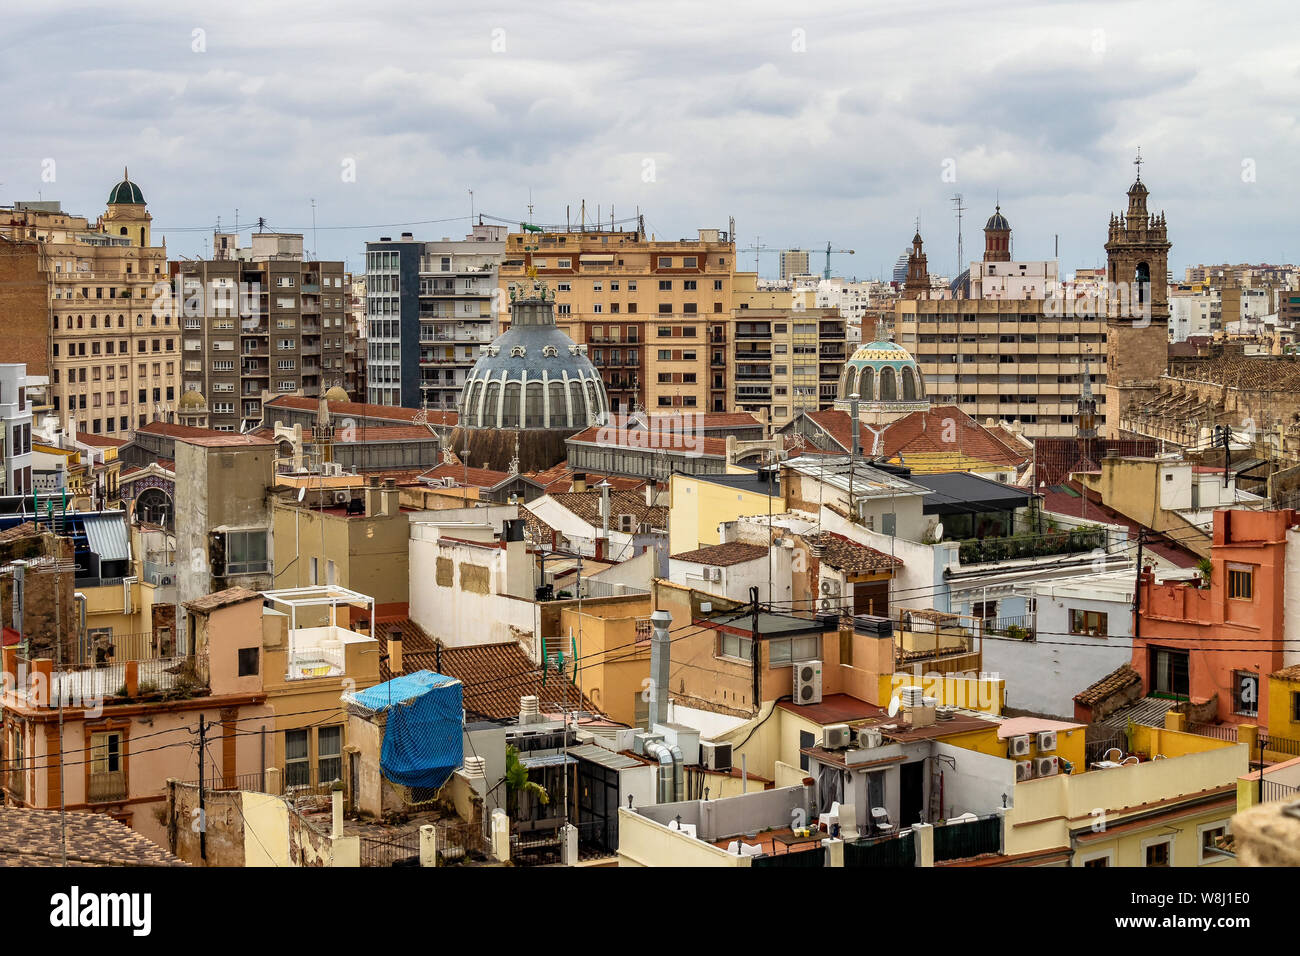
(1138, 163)
(126, 174)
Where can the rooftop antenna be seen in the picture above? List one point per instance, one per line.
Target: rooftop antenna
(957, 205)
(471, 208)
(530, 203)
(1138, 163)
(315, 250)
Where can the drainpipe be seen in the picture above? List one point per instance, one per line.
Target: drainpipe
(665, 787)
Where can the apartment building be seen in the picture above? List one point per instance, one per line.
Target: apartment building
(112, 356)
(1006, 344)
(15, 431)
(786, 361)
(794, 262)
(430, 307)
(650, 311)
(258, 319)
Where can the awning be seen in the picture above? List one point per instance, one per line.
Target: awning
(549, 760)
(107, 536)
(596, 258)
(963, 493)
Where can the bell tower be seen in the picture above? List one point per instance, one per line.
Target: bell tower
(917, 284)
(1137, 304)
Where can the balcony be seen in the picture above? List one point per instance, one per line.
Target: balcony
(106, 787)
(1074, 541)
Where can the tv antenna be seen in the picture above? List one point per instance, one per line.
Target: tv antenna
(957, 205)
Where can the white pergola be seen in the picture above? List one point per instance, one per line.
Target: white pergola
(318, 595)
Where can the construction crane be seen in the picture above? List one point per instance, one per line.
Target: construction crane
(826, 273)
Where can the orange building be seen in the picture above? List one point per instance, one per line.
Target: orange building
(1214, 646)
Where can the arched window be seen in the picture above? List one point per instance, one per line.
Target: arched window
(909, 385)
(123, 232)
(575, 398)
(850, 381)
(510, 411)
(888, 385)
(867, 384)
(470, 411)
(1142, 279)
(533, 408)
(559, 415)
(593, 408)
(489, 419)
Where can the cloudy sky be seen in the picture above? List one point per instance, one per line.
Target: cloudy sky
(842, 123)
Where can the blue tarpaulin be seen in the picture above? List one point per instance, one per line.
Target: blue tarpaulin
(423, 742)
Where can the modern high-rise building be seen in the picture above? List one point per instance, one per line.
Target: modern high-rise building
(651, 312)
(794, 262)
(256, 321)
(111, 357)
(430, 306)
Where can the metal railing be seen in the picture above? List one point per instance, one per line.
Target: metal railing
(1016, 628)
(254, 782)
(1217, 731)
(1097, 743)
(960, 841)
(1274, 790)
(399, 849)
(106, 786)
(982, 550)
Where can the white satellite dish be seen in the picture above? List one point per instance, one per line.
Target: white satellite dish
(302, 492)
(938, 531)
(893, 707)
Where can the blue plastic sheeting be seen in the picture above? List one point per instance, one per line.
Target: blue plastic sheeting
(423, 740)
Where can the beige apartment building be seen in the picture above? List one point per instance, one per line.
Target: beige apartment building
(113, 358)
(650, 312)
(1002, 343)
(259, 320)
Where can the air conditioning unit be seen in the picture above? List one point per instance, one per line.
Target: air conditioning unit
(1018, 746)
(870, 737)
(830, 586)
(163, 580)
(836, 736)
(715, 756)
(1046, 740)
(808, 682)
(1046, 766)
(1024, 770)
(342, 497)
(626, 523)
(713, 574)
(641, 741)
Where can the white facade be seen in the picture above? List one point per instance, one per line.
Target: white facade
(1028, 279)
(1192, 313)
(15, 430)
(1044, 674)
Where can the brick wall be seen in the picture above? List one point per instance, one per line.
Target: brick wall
(25, 305)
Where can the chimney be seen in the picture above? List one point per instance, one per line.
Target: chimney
(395, 651)
(579, 481)
(660, 658)
(651, 487)
(528, 710)
(388, 498)
(373, 499)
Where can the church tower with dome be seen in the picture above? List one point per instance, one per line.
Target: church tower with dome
(530, 389)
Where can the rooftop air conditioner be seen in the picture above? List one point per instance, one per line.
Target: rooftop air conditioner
(1046, 740)
(869, 738)
(342, 497)
(1018, 746)
(836, 736)
(1046, 767)
(715, 756)
(163, 580)
(1024, 770)
(808, 682)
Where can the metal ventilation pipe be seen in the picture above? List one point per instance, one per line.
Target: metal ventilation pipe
(857, 425)
(666, 789)
(679, 774)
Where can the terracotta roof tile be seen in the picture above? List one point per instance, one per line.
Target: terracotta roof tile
(34, 838)
(391, 413)
(1117, 680)
(1055, 458)
(656, 439)
(586, 505)
(724, 555)
(494, 677)
(219, 599)
(847, 555)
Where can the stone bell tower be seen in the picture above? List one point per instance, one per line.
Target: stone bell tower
(1137, 305)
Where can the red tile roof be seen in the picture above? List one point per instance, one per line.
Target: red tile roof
(724, 555)
(847, 555)
(1117, 680)
(1055, 458)
(925, 432)
(586, 505)
(172, 430)
(475, 477)
(560, 478)
(1073, 500)
(102, 441)
(494, 677)
(657, 439)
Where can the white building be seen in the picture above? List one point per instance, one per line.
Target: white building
(15, 430)
(1027, 279)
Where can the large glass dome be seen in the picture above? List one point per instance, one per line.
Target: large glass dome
(533, 376)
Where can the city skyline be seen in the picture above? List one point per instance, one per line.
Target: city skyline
(806, 128)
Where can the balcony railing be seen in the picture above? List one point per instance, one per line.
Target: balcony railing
(983, 550)
(106, 787)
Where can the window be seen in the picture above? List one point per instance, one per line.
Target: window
(807, 740)
(789, 650)
(1097, 861)
(1169, 676)
(1092, 623)
(1245, 693)
(248, 661)
(245, 552)
(106, 753)
(1158, 852)
(985, 610)
(1210, 836)
(1241, 583)
(733, 645)
(297, 765)
(329, 753)
(1295, 706)
(665, 285)
(665, 262)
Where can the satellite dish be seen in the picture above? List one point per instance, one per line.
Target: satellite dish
(938, 531)
(893, 707)
(302, 492)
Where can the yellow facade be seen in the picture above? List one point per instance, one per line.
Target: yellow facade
(612, 641)
(1283, 701)
(697, 506)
